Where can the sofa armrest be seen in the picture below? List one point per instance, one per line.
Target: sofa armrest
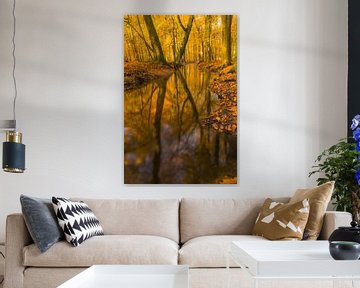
(333, 220)
(17, 237)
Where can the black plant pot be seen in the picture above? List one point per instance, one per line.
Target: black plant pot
(351, 233)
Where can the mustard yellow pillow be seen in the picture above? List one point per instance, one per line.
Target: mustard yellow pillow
(279, 221)
(319, 198)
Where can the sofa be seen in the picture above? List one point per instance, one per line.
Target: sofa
(194, 232)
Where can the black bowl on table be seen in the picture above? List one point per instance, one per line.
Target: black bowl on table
(344, 250)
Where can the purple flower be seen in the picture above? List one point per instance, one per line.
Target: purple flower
(357, 147)
(357, 176)
(355, 122)
(356, 134)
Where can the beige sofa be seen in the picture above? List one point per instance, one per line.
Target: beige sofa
(195, 232)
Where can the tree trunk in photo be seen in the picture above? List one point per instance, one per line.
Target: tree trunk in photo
(200, 51)
(136, 52)
(174, 38)
(226, 25)
(184, 42)
(208, 23)
(139, 31)
(355, 201)
(154, 38)
(189, 95)
(217, 149)
(157, 125)
(142, 36)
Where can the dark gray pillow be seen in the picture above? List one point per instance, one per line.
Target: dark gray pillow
(41, 221)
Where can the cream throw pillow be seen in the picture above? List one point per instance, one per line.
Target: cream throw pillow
(319, 198)
(279, 221)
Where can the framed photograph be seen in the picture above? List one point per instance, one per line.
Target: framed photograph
(180, 102)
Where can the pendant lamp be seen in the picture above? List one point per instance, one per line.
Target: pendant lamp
(13, 160)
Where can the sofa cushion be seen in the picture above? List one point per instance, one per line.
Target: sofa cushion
(77, 220)
(107, 249)
(158, 217)
(319, 198)
(200, 217)
(211, 251)
(41, 221)
(35, 277)
(279, 221)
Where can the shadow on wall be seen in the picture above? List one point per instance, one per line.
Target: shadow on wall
(305, 93)
(148, 7)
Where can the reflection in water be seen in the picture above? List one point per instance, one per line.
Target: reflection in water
(164, 141)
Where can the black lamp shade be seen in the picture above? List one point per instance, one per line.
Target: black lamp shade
(13, 157)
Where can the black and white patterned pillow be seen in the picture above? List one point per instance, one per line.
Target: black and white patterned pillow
(77, 220)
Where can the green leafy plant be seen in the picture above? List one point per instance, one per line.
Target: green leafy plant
(341, 163)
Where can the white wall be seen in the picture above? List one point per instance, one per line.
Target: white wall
(293, 62)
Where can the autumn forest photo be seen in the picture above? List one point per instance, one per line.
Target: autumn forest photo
(180, 102)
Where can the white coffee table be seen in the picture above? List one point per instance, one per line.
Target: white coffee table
(131, 276)
(285, 260)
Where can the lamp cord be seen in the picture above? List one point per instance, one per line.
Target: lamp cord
(14, 61)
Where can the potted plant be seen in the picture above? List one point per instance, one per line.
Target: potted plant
(341, 163)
